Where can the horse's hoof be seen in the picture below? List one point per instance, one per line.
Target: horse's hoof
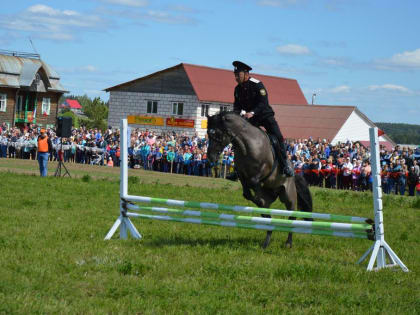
(288, 245)
(266, 242)
(247, 197)
(265, 245)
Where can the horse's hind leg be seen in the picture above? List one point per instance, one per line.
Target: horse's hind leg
(289, 199)
(289, 240)
(268, 235)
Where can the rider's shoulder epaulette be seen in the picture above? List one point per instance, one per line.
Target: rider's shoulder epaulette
(254, 80)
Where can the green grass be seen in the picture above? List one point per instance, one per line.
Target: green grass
(53, 258)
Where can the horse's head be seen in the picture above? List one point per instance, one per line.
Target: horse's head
(219, 131)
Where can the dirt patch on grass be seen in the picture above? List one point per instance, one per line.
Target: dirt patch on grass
(30, 167)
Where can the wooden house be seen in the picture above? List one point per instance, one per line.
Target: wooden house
(29, 90)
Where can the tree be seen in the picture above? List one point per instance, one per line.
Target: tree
(74, 117)
(401, 133)
(96, 111)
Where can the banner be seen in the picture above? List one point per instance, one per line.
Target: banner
(30, 116)
(179, 122)
(145, 120)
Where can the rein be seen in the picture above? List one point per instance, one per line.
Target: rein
(235, 137)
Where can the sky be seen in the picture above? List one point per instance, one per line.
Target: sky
(364, 53)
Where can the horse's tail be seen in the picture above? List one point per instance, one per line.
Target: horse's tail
(304, 198)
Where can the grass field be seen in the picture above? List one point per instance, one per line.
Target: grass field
(53, 258)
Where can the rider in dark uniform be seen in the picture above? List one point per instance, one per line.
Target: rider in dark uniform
(251, 100)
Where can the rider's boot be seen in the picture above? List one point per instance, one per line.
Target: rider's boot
(282, 156)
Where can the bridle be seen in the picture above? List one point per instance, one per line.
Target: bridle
(234, 137)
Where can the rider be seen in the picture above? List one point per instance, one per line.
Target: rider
(251, 100)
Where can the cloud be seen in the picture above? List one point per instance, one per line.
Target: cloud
(43, 21)
(281, 3)
(89, 68)
(401, 61)
(331, 5)
(129, 3)
(335, 61)
(79, 70)
(340, 89)
(293, 49)
(285, 70)
(390, 87)
(183, 8)
(167, 17)
(158, 16)
(180, 15)
(91, 71)
(330, 43)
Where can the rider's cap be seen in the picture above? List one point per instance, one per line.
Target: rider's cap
(240, 66)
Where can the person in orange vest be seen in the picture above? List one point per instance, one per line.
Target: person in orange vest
(110, 162)
(44, 145)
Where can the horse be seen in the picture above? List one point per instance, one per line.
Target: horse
(256, 166)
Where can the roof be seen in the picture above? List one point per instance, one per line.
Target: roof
(316, 121)
(73, 104)
(217, 85)
(16, 71)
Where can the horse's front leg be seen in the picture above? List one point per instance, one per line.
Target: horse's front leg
(264, 199)
(289, 197)
(246, 191)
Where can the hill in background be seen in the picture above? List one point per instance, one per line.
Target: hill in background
(401, 133)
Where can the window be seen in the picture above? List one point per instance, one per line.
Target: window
(152, 107)
(205, 110)
(19, 103)
(3, 102)
(177, 108)
(46, 106)
(223, 108)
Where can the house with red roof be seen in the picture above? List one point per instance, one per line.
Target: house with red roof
(178, 98)
(332, 123)
(72, 105)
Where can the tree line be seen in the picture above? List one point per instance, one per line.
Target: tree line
(401, 133)
(95, 112)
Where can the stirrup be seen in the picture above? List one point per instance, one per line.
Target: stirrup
(288, 171)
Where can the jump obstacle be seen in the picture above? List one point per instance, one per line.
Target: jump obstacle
(348, 226)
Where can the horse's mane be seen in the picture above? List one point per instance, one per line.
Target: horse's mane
(231, 112)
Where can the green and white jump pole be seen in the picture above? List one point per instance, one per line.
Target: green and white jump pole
(355, 227)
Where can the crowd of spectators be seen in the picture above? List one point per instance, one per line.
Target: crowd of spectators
(340, 166)
(347, 166)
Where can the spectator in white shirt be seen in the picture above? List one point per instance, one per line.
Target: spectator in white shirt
(347, 172)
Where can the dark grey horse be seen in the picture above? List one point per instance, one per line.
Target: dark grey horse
(254, 161)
